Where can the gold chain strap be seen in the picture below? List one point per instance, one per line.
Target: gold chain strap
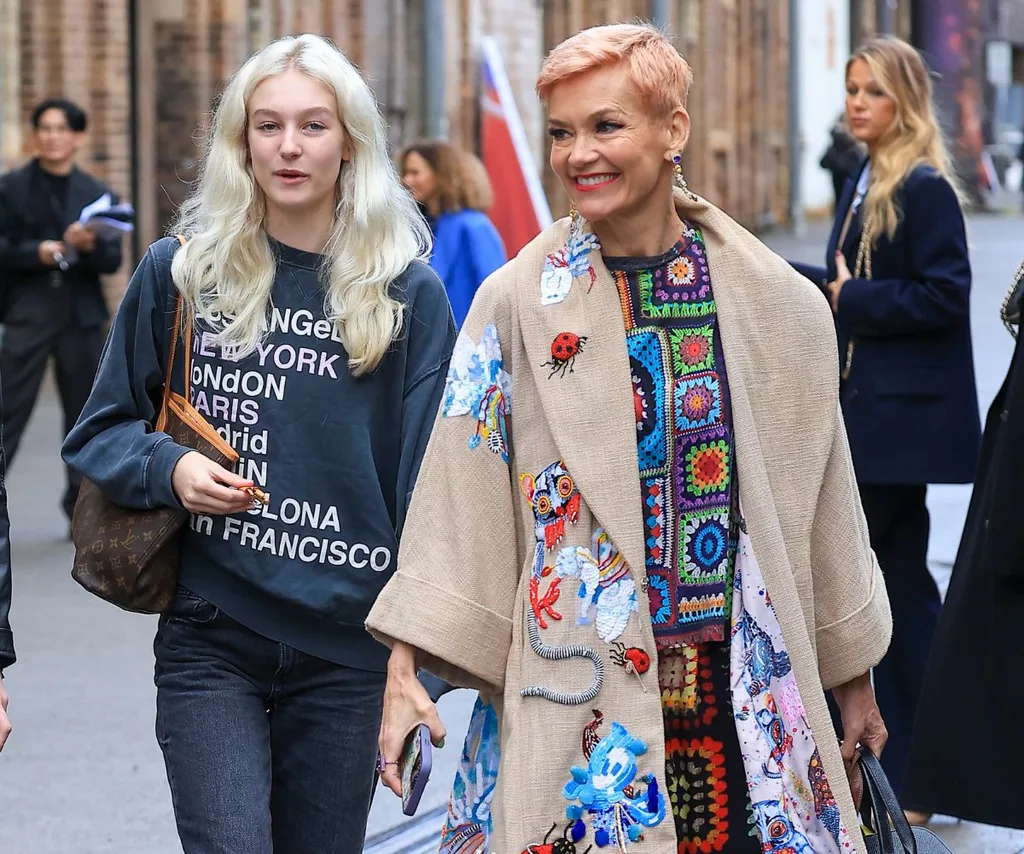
(1004, 310)
(861, 270)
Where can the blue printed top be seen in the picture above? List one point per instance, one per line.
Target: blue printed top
(337, 454)
(684, 439)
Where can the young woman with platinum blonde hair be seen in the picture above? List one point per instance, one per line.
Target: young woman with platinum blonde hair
(658, 562)
(898, 279)
(320, 347)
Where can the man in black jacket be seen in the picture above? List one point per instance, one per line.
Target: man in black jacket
(51, 298)
(6, 638)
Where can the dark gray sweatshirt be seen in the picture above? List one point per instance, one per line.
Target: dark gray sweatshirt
(338, 455)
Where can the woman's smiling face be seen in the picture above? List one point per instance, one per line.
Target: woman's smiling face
(609, 152)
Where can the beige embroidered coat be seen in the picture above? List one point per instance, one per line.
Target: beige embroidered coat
(461, 592)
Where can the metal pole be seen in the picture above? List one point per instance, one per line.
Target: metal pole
(134, 177)
(660, 14)
(3, 40)
(796, 142)
(886, 17)
(856, 24)
(435, 124)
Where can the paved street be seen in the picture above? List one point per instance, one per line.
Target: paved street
(82, 773)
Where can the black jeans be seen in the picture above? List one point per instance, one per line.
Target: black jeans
(24, 352)
(898, 524)
(268, 750)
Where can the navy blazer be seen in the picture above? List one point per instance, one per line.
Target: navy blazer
(909, 401)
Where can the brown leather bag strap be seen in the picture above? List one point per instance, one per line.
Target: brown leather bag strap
(161, 421)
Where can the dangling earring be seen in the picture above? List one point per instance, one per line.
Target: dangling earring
(574, 214)
(677, 167)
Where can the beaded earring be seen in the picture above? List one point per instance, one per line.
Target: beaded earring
(677, 167)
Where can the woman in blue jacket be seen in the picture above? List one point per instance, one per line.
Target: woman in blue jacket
(898, 278)
(453, 189)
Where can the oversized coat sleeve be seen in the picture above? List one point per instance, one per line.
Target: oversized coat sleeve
(454, 588)
(853, 623)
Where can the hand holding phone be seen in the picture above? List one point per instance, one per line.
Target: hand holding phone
(414, 768)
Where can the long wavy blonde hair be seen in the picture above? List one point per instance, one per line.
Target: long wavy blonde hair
(227, 269)
(914, 138)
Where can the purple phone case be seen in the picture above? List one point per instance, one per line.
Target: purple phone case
(415, 781)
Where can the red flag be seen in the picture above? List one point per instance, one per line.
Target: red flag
(520, 209)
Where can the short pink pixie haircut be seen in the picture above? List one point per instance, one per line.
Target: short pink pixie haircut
(655, 67)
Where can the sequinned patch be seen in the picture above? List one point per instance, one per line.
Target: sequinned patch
(649, 368)
(607, 592)
(478, 384)
(692, 349)
(698, 403)
(570, 262)
(610, 792)
(472, 370)
(555, 501)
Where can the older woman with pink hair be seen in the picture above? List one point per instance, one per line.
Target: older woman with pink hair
(636, 530)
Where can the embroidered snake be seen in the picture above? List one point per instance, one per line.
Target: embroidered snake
(555, 501)
(562, 653)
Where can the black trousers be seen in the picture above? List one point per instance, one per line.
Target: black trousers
(898, 524)
(25, 349)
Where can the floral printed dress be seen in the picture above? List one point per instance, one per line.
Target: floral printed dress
(685, 453)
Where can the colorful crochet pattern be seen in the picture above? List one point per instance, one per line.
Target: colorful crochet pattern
(704, 772)
(684, 439)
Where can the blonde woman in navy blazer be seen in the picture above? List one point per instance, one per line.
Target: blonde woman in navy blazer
(898, 278)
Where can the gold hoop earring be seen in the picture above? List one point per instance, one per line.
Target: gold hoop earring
(677, 168)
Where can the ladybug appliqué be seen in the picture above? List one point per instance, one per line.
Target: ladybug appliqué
(565, 845)
(634, 659)
(564, 350)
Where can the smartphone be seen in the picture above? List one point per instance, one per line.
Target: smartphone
(414, 768)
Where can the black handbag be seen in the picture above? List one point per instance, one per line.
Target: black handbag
(1011, 307)
(887, 830)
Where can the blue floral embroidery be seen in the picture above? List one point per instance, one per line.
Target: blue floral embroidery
(605, 790)
(478, 385)
(580, 244)
(568, 263)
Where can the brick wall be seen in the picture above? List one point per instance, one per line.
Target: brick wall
(738, 151)
(186, 49)
(76, 49)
